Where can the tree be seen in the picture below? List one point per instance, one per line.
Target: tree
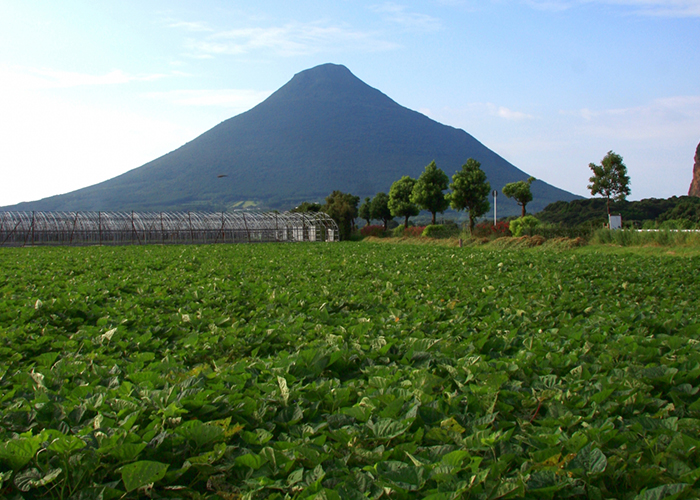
(470, 191)
(520, 192)
(342, 208)
(364, 212)
(307, 207)
(610, 179)
(400, 199)
(428, 191)
(380, 208)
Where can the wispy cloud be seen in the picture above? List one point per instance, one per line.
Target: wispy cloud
(659, 8)
(43, 78)
(189, 25)
(288, 40)
(670, 119)
(509, 114)
(230, 98)
(401, 15)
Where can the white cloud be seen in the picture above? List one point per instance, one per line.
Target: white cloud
(670, 119)
(508, 114)
(660, 8)
(288, 40)
(43, 78)
(229, 98)
(400, 14)
(190, 25)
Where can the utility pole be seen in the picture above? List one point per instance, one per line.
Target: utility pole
(495, 197)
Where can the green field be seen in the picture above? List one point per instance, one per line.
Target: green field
(351, 370)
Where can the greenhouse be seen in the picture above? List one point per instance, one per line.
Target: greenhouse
(134, 228)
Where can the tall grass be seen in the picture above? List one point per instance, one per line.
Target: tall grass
(632, 237)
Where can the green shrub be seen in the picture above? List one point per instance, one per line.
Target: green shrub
(440, 231)
(517, 226)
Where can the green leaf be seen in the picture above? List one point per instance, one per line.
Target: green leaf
(589, 460)
(67, 444)
(124, 452)
(250, 460)
(664, 492)
(387, 428)
(200, 433)
(407, 477)
(142, 473)
(33, 478)
(18, 452)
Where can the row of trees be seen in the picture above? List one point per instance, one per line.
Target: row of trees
(469, 190)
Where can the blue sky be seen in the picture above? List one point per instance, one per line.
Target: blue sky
(89, 90)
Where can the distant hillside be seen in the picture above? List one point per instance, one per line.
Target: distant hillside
(324, 130)
(583, 211)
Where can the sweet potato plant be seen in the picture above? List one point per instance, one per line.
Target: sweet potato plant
(348, 371)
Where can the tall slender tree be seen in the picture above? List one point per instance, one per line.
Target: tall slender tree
(364, 212)
(610, 179)
(428, 191)
(380, 208)
(470, 191)
(400, 199)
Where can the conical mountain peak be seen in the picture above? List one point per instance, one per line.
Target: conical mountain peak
(324, 130)
(328, 83)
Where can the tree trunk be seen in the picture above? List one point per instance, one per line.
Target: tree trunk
(433, 223)
(471, 224)
(386, 222)
(523, 214)
(405, 224)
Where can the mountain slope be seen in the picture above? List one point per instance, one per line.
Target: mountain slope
(324, 130)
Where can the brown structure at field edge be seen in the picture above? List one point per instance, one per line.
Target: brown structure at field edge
(695, 184)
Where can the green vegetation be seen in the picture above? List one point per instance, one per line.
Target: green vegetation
(379, 209)
(400, 199)
(593, 211)
(610, 179)
(517, 226)
(520, 191)
(342, 207)
(470, 191)
(428, 191)
(348, 371)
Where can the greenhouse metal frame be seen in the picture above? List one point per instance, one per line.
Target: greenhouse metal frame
(133, 228)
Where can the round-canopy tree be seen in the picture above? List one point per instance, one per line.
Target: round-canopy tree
(428, 190)
(470, 191)
(400, 199)
(364, 212)
(610, 179)
(520, 192)
(342, 207)
(379, 208)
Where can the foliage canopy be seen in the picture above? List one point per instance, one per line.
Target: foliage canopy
(379, 209)
(470, 191)
(520, 192)
(428, 191)
(610, 179)
(400, 202)
(342, 207)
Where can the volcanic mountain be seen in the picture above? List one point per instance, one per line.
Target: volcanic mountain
(323, 130)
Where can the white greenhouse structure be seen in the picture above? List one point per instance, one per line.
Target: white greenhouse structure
(134, 228)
